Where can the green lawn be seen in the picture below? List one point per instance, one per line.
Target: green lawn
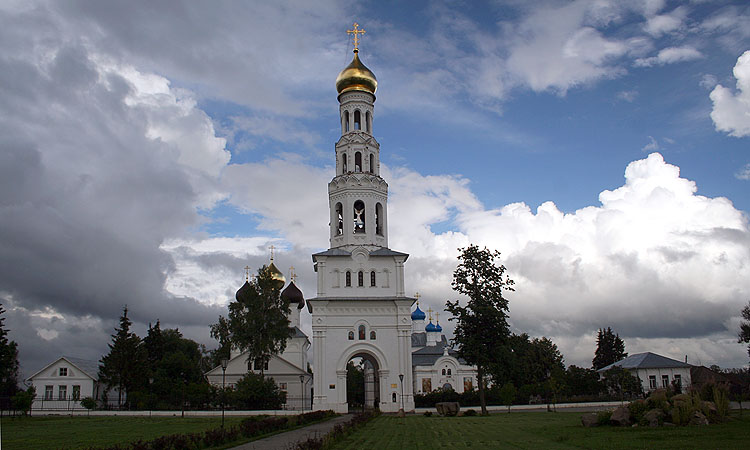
(61, 432)
(536, 430)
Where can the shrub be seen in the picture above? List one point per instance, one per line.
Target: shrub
(637, 410)
(22, 400)
(721, 401)
(88, 403)
(658, 399)
(470, 412)
(428, 413)
(603, 417)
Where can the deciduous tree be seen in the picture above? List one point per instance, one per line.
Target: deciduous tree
(609, 349)
(744, 335)
(482, 325)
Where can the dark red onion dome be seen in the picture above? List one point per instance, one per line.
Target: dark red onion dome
(294, 295)
(243, 292)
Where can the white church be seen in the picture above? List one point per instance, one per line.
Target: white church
(361, 309)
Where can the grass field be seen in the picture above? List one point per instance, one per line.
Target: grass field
(537, 430)
(61, 432)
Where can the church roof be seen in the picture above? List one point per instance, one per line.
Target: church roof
(294, 295)
(427, 356)
(419, 339)
(298, 333)
(356, 77)
(646, 360)
(383, 251)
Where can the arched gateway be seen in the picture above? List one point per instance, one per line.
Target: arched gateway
(360, 309)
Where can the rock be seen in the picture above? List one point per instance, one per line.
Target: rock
(590, 420)
(710, 408)
(669, 424)
(448, 408)
(680, 398)
(621, 416)
(698, 419)
(653, 417)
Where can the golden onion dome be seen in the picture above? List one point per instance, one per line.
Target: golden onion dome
(277, 275)
(356, 77)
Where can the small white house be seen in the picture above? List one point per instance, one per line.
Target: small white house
(61, 384)
(654, 371)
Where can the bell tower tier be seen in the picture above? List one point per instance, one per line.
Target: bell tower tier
(361, 310)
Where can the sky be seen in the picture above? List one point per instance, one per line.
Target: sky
(151, 150)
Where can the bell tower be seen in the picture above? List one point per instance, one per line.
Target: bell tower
(360, 310)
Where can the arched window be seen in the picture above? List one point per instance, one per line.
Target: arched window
(361, 332)
(351, 335)
(358, 162)
(378, 219)
(346, 120)
(357, 120)
(359, 216)
(348, 279)
(372, 163)
(361, 279)
(394, 397)
(449, 372)
(372, 279)
(373, 336)
(368, 122)
(443, 371)
(344, 168)
(339, 219)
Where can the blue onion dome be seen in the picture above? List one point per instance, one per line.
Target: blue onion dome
(418, 314)
(438, 328)
(293, 295)
(430, 327)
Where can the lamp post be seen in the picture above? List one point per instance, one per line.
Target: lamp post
(302, 386)
(224, 363)
(401, 377)
(150, 395)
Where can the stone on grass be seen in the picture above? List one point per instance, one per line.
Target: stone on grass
(698, 419)
(653, 417)
(621, 416)
(590, 420)
(448, 408)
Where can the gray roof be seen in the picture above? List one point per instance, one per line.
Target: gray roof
(332, 252)
(383, 251)
(426, 356)
(90, 368)
(646, 360)
(299, 333)
(419, 339)
(388, 252)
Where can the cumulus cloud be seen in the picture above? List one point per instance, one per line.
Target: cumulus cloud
(669, 55)
(731, 112)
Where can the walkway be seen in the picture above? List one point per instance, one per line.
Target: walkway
(288, 439)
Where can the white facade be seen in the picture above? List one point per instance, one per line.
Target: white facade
(654, 371)
(360, 309)
(64, 382)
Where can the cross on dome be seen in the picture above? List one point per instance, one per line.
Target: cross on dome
(356, 32)
(247, 273)
(292, 274)
(417, 296)
(271, 248)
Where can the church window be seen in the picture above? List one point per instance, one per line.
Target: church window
(346, 120)
(368, 122)
(76, 392)
(351, 335)
(48, 392)
(361, 332)
(373, 335)
(358, 162)
(359, 217)
(344, 168)
(348, 279)
(449, 372)
(339, 219)
(372, 278)
(394, 397)
(372, 163)
(62, 392)
(361, 279)
(63, 371)
(357, 120)
(443, 371)
(378, 219)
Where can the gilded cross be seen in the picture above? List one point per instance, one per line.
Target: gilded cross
(272, 248)
(437, 317)
(247, 273)
(356, 32)
(429, 310)
(417, 296)
(292, 275)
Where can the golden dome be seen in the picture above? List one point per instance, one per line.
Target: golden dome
(277, 275)
(356, 77)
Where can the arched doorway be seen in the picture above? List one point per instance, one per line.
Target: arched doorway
(362, 382)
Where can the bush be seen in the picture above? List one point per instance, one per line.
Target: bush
(253, 391)
(658, 400)
(603, 417)
(638, 409)
(721, 400)
(470, 412)
(428, 413)
(22, 400)
(88, 403)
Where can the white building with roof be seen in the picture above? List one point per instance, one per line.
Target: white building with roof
(61, 384)
(654, 371)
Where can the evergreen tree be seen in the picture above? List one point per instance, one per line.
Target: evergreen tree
(154, 345)
(125, 365)
(744, 335)
(258, 320)
(482, 325)
(8, 361)
(609, 349)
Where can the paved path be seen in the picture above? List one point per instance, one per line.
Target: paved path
(288, 439)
